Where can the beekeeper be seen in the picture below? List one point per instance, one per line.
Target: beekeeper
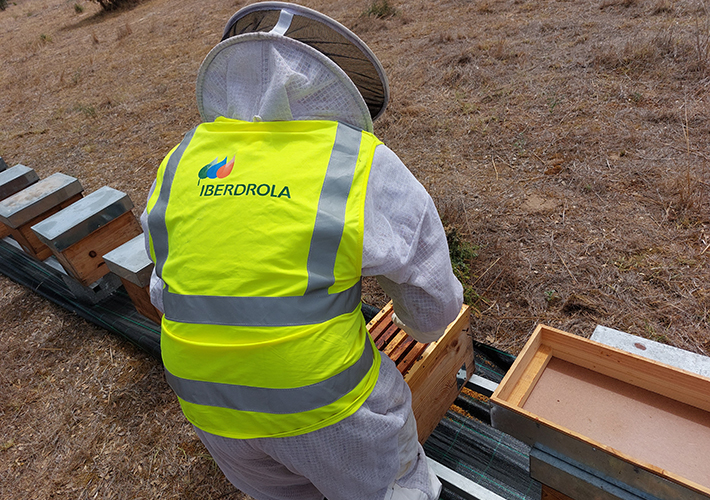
(261, 223)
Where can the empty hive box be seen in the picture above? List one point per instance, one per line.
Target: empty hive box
(35, 203)
(430, 370)
(131, 263)
(644, 424)
(81, 234)
(13, 180)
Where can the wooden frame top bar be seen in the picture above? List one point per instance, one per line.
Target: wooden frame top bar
(77, 221)
(131, 262)
(38, 198)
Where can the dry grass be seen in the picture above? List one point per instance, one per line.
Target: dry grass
(567, 140)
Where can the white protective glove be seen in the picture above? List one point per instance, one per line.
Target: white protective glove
(423, 337)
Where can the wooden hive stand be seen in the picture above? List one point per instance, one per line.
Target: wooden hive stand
(35, 203)
(430, 370)
(131, 263)
(81, 234)
(14, 180)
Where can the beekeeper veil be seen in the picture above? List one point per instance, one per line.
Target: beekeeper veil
(281, 61)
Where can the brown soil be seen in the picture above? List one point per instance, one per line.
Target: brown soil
(565, 139)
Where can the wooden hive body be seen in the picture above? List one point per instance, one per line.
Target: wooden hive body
(131, 263)
(81, 234)
(429, 369)
(35, 203)
(14, 180)
(617, 413)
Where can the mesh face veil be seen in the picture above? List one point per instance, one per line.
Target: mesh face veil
(280, 61)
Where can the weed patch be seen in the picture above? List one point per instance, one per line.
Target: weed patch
(381, 9)
(462, 253)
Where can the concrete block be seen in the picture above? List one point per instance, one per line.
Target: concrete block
(679, 358)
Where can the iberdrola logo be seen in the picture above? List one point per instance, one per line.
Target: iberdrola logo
(216, 169)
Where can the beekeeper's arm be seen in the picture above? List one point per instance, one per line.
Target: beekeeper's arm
(405, 248)
(156, 284)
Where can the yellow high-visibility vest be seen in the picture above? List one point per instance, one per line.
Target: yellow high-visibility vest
(256, 230)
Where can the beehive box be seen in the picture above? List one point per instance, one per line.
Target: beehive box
(131, 263)
(14, 180)
(82, 233)
(35, 203)
(429, 369)
(639, 421)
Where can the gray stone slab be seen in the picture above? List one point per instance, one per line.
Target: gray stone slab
(130, 261)
(41, 196)
(578, 481)
(16, 179)
(78, 220)
(673, 356)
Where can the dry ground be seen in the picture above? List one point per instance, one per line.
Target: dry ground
(565, 139)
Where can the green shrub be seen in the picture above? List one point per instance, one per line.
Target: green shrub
(3, 4)
(462, 253)
(381, 9)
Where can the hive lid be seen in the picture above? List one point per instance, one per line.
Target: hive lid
(130, 261)
(78, 220)
(41, 196)
(16, 179)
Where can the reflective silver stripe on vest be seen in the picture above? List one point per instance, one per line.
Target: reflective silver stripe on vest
(156, 217)
(316, 305)
(278, 401)
(330, 219)
(308, 309)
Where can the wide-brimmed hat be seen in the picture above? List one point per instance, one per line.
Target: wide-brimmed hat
(295, 37)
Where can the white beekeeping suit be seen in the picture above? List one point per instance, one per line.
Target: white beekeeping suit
(277, 62)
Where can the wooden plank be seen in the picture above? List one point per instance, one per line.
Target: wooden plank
(84, 259)
(550, 494)
(378, 324)
(432, 379)
(387, 335)
(530, 376)
(512, 377)
(403, 348)
(394, 343)
(140, 296)
(412, 357)
(681, 385)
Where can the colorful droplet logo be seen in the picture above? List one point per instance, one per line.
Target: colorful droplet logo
(216, 169)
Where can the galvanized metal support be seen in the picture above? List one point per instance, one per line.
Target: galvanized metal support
(460, 485)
